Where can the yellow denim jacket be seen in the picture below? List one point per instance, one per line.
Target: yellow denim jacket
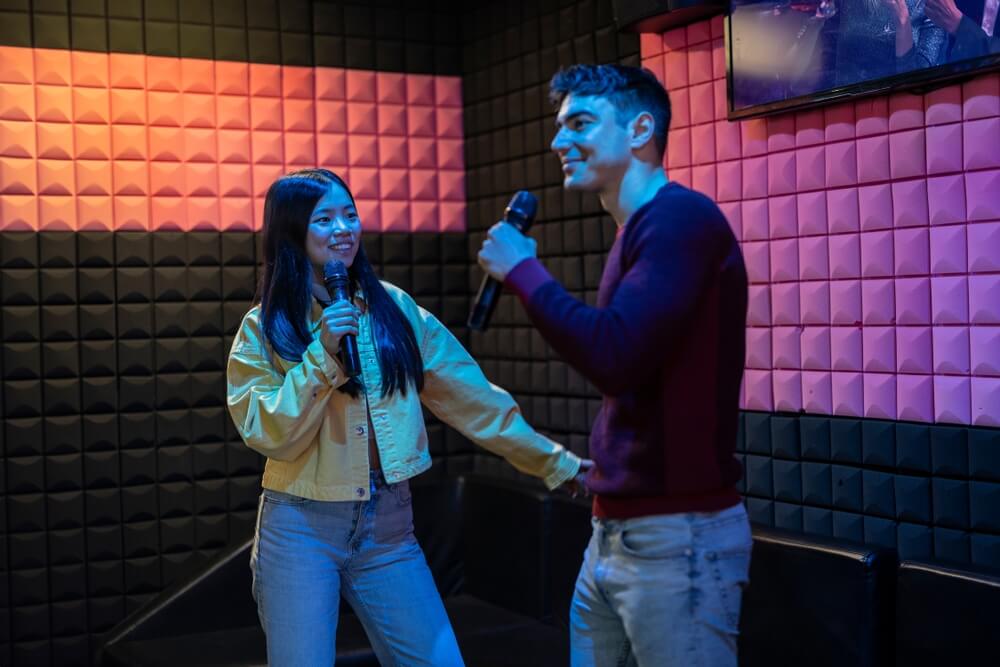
(315, 438)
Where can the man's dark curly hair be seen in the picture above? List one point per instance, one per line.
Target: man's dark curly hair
(629, 89)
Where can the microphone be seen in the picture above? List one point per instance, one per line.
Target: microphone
(338, 285)
(520, 213)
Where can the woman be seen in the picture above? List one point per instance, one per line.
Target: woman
(334, 517)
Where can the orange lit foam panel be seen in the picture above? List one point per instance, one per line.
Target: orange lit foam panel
(97, 141)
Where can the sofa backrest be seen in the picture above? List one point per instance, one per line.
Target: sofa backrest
(506, 544)
(569, 535)
(437, 524)
(946, 616)
(816, 601)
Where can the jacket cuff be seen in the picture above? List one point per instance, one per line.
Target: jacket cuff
(525, 278)
(569, 465)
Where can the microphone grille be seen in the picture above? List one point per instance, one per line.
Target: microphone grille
(523, 205)
(334, 269)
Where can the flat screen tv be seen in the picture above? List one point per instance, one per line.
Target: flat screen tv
(786, 54)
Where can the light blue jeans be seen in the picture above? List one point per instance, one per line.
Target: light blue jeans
(307, 553)
(661, 591)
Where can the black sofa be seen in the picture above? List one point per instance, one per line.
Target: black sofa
(505, 556)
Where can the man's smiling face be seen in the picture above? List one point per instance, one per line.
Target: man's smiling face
(593, 146)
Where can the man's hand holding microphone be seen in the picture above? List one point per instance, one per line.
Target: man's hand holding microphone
(504, 248)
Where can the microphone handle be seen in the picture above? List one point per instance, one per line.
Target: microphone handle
(349, 356)
(490, 288)
(485, 303)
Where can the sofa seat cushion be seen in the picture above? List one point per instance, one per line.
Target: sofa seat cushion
(234, 647)
(489, 636)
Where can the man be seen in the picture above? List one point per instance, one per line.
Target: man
(970, 24)
(663, 573)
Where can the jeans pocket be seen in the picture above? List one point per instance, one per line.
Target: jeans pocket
(650, 544)
(401, 491)
(281, 498)
(730, 570)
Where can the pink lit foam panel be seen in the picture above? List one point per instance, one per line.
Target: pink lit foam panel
(871, 234)
(94, 141)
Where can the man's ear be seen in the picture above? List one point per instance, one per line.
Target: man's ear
(642, 128)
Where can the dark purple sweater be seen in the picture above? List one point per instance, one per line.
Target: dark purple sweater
(665, 346)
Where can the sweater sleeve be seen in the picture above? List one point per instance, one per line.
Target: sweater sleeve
(666, 263)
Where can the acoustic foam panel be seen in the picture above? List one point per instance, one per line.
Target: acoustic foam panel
(871, 233)
(97, 141)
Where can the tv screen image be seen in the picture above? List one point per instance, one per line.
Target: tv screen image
(795, 53)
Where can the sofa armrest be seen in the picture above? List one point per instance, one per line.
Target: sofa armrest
(216, 597)
(506, 553)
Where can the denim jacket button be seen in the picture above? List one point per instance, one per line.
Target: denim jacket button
(360, 430)
(360, 491)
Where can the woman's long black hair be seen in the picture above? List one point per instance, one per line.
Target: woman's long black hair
(285, 289)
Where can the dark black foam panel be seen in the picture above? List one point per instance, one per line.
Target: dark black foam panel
(123, 469)
(387, 35)
(509, 53)
(908, 486)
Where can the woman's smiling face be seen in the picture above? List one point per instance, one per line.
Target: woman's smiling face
(334, 229)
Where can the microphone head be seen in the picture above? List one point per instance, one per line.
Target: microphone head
(334, 271)
(521, 209)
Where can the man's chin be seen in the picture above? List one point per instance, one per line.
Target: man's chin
(578, 184)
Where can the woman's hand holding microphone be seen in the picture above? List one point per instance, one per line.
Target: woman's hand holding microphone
(339, 319)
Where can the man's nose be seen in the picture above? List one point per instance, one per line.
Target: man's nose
(559, 143)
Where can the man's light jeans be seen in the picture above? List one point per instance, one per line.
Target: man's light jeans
(662, 591)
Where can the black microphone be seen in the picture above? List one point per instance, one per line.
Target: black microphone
(338, 285)
(520, 213)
